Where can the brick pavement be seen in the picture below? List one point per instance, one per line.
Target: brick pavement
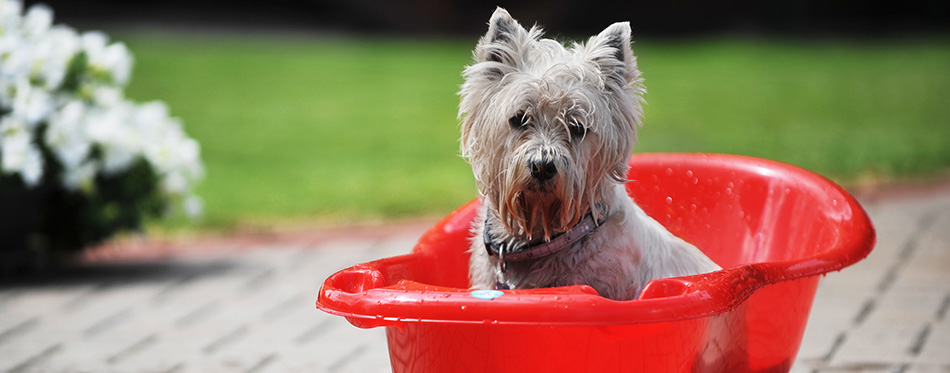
(251, 310)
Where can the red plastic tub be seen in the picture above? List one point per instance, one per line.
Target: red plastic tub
(772, 227)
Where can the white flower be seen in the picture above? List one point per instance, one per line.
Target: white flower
(52, 55)
(193, 206)
(118, 60)
(94, 42)
(37, 20)
(33, 104)
(153, 118)
(80, 177)
(9, 15)
(15, 57)
(11, 125)
(66, 135)
(114, 59)
(172, 154)
(106, 96)
(108, 127)
(174, 183)
(18, 153)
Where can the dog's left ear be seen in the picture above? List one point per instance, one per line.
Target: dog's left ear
(504, 47)
(611, 51)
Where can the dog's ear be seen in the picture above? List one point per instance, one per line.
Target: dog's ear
(505, 41)
(611, 51)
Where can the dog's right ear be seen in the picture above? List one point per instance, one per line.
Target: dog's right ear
(505, 42)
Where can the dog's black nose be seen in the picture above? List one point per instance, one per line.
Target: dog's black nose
(543, 170)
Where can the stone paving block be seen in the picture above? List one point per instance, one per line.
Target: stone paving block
(890, 332)
(849, 288)
(800, 368)
(935, 241)
(857, 282)
(42, 300)
(360, 358)
(829, 319)
(876, 344)
(864, 368)
(927, 273)
(937, 347)
(12, 327)
(258, 348)
(267, 339)
(27, 349)
(897, 220)
(928, 369)
(338, 347)
(175, 349)
(903, 208)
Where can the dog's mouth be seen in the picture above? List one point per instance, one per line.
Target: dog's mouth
(535, 213)
(540, 188)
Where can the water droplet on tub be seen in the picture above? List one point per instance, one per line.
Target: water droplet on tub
(463, 308)
(669, 171)
(669, 200)
(689, 173)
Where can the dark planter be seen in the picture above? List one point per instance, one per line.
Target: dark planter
(21, 247)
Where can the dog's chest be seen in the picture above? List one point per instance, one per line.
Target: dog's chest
(588, 262)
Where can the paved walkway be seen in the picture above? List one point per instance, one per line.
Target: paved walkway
(249, 307)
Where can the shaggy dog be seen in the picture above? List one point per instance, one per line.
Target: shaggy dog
(548, 131)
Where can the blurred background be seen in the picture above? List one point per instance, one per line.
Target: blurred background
(312, 112)
(467, 18)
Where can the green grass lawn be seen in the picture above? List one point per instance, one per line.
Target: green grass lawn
(348, 129)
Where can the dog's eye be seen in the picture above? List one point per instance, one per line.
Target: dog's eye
(518, 120)
(577, 130)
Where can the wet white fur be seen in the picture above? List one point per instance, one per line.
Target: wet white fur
(582, 106)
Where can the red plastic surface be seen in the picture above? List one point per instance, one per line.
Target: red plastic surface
(771, 226)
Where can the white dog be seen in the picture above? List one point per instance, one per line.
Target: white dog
(548, 131)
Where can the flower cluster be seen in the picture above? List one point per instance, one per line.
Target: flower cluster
(64, 119)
